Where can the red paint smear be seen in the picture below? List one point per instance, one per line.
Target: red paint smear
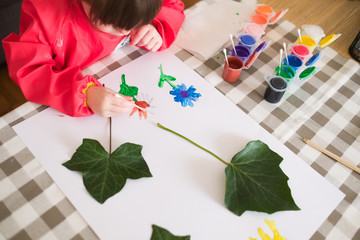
(142, 113)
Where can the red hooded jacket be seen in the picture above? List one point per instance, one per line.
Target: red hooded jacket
(56, 41)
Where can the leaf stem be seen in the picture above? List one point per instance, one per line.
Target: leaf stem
(171, 85)
(169, 130)
(110, 120)
(161, 71)
(110, 135)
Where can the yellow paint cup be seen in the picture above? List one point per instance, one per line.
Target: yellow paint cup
(307, 41)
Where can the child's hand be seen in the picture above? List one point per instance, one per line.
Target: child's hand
(102, 101)
(148, 37)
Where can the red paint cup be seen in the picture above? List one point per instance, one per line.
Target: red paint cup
(232, 71)
(300, 51)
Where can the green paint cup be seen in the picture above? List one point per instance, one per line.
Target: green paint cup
(286, 72)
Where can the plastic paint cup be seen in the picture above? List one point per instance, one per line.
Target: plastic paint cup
(285, 72)
(253, 29)
(260, 20)
(308, 72)
(247, 41)
(293, 61)
(314, 31)
(307, 41)
(232, 71)
(301, 51)
(278, 16)
(264, 10)
(314, 58)
(242, 52)
(328, 39)
(276, 88)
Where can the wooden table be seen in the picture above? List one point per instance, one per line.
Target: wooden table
(334, 16)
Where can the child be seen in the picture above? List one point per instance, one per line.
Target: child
(59, 38)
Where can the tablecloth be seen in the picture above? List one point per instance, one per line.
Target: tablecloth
(324, 108)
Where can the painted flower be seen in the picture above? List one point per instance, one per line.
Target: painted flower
(273, 228)
(165, 78)
(185, 95)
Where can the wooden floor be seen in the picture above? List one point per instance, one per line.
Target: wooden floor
(334, 16)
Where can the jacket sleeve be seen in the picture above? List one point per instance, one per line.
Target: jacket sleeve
(41, 79)
(169, 20)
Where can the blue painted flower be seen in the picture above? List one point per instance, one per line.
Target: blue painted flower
(185, 95)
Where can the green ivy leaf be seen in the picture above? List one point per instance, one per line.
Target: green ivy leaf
(105, 174)
(255, 181)
(126, 90)
(163, 234)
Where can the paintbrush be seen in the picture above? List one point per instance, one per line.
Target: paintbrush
(232, 43)
(300, 39)
(332, 155)
(226, 58)
(286, 55)
(120, 96)
(281, 53)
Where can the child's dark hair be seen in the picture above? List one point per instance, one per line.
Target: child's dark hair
(124, 14)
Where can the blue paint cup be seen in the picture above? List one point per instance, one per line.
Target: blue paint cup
(242, 52)
(247, 40)
(293, 61)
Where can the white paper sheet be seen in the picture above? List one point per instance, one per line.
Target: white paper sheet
(186, 193)
(207, 27)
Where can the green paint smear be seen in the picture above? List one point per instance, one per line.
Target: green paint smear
(165, 78)
(126, 90)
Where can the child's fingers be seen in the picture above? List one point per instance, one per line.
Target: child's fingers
(106, 102)
(154, 46)
(118, 95)
(117, 104)
(116, 109)
(150, 44)
(145, 35)
(120, 102)
(137, 36)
